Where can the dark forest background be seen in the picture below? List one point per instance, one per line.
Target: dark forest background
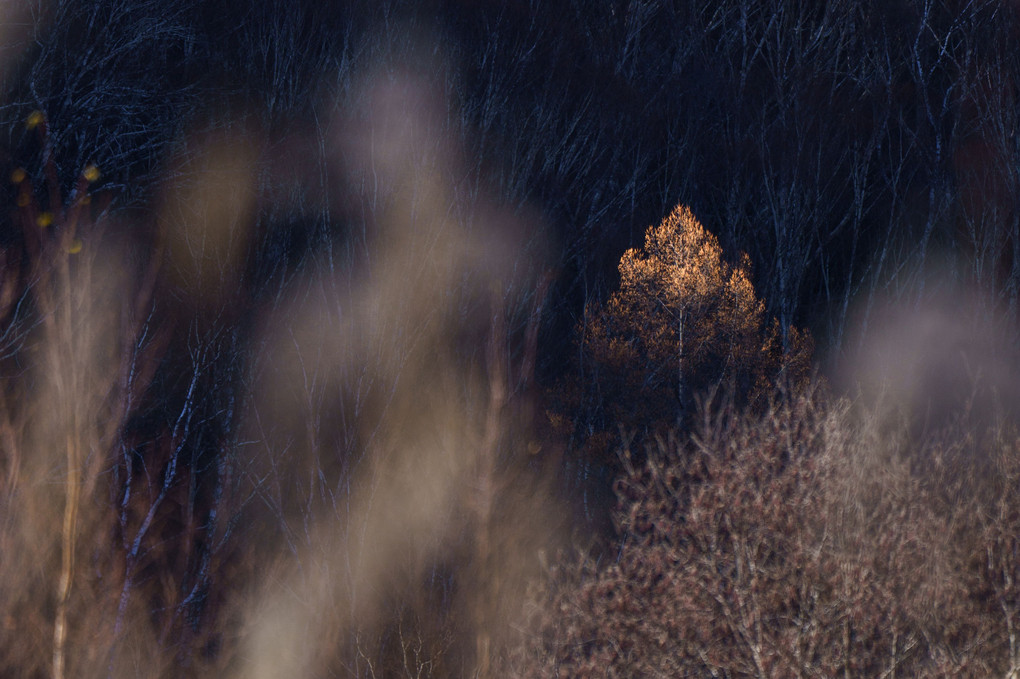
(318, 356)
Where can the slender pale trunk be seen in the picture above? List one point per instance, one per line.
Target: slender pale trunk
(488, 588)
(680, 361)
(68, 533)
(65, 368)
(72, 499)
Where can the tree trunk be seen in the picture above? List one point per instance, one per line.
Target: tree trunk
(680, 395)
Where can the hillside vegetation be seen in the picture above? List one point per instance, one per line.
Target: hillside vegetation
(444, 339)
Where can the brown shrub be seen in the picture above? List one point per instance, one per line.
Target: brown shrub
(810, 541)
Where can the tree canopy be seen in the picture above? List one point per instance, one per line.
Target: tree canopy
(684, 320)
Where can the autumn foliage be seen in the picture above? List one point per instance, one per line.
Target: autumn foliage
(683, 321)
(814, 540)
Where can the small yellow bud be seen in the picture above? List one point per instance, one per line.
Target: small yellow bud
(85, 200)
(35, 118)
(44, 219)
(91, 173)
(18, 175)
(74, 247)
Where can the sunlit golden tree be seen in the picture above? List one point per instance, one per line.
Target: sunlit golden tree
(684, 320)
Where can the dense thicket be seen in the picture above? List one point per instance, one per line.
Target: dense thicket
(814, 540)
(847, 147)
